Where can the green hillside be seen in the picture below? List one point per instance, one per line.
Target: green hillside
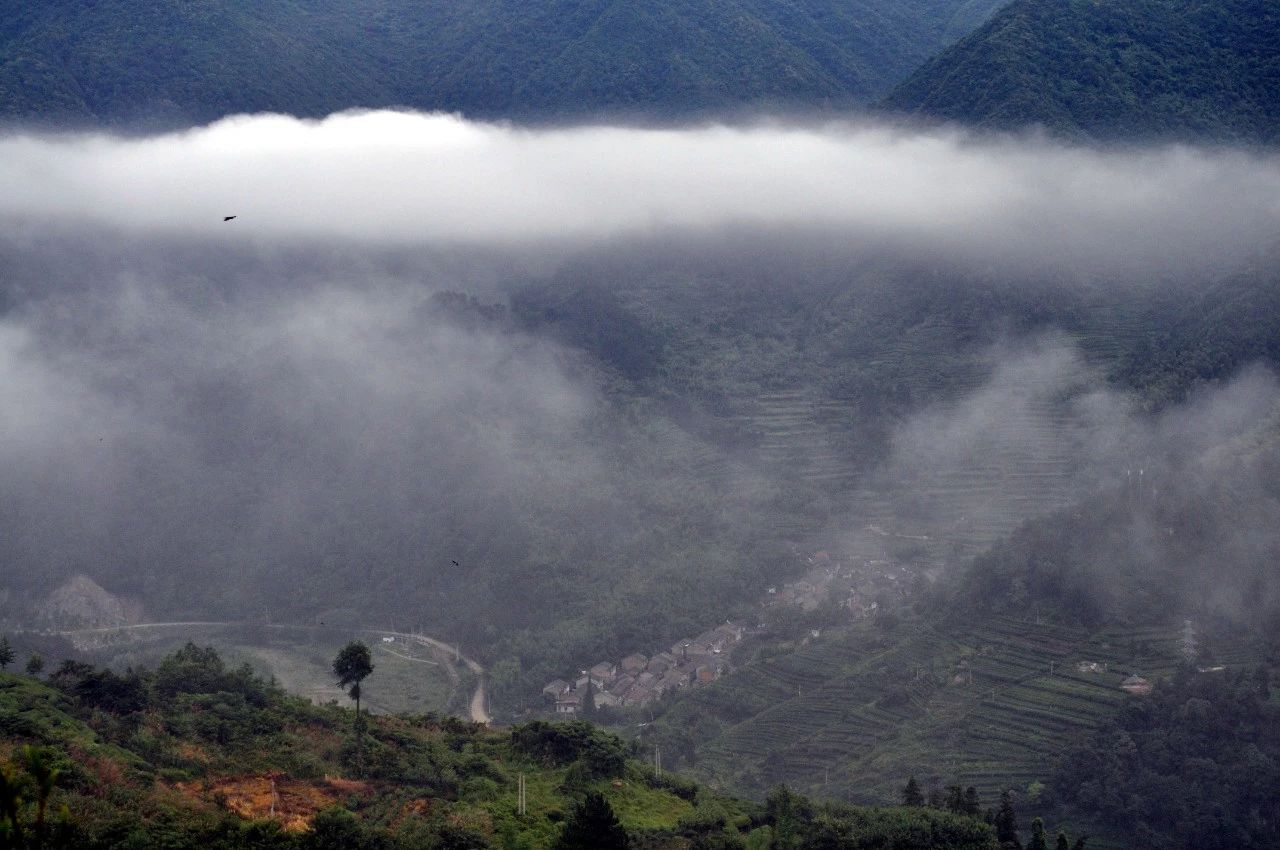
(852, 713)
(196, 754)
(171, 62)
(988, 677)
(1112, 69)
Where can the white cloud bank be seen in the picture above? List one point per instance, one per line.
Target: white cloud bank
(405, 178)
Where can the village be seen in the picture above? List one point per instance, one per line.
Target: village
(859, 587)
(850, 587)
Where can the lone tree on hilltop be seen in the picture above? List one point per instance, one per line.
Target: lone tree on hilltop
(6, 653)
(352, 665)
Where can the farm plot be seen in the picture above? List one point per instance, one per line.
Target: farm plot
(990, 707)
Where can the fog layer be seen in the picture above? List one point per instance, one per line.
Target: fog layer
(279, 413)
(389, 177)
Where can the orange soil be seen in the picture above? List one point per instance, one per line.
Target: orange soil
(292, 802)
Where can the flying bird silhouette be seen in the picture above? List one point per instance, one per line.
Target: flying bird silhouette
(227, 217)
(455, 563)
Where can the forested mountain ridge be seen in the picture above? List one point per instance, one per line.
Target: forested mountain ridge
(123, 61)
(1118, 69)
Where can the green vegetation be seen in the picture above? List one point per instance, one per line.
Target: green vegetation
(986, 677)
(975, 685)
(198, 755)
(1112, 69)
(120, 61)
(847, 715)
(1192, 766)
(352, 665)
(592, 825)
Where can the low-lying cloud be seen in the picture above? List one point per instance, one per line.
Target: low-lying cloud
(274, 412)
(406, 178)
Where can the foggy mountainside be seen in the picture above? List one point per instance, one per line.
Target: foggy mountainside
(894, 484)
(240, 424)
(1114, 70)
(172, 63)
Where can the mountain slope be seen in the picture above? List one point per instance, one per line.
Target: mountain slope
(198, 755)
(1112, 69)
(170, 62)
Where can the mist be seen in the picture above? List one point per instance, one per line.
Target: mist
(315, 409)
(396, 178)
(1092, 504)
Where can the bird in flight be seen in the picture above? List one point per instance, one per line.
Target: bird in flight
(227, 217)
(455, 563)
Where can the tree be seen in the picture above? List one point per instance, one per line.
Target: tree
(790, 815)
(911, 794)
(1063, 843)
(352, 665)
(592, 825)
(972, 806)
(1006, 823)
(6, 653)
(12, 793)
(1039, 841)
(333, 829)
(35, 664)
(40, 767)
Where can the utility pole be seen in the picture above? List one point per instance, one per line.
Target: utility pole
(657, 762)
(521, 799)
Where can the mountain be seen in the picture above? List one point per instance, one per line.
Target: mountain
(169, 62)
(1112, 69)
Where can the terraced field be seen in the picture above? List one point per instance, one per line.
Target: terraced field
(852, 714)
(957, 502)
(802, 432)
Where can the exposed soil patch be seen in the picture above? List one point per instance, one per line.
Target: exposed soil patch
(292, 802)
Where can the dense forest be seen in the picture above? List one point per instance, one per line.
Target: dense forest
(126, 62)
(1114, 70)
(1195, 765)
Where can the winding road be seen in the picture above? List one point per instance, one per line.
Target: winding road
(476, 708)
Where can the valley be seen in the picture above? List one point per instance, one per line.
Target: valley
(678, 425)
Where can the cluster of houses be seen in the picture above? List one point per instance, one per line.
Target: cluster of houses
(638, 680)
(856, 585)
(1132, 684)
